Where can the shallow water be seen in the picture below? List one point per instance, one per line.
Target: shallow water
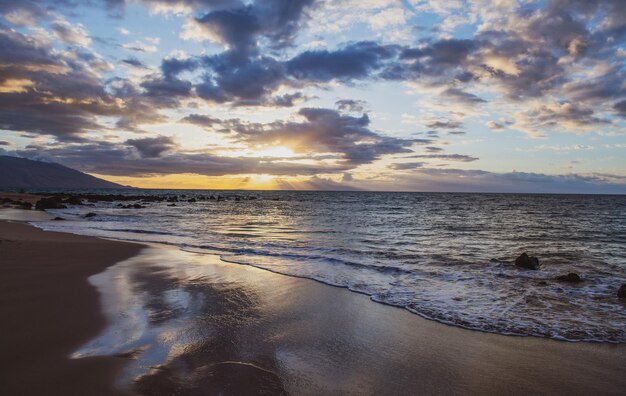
(446, 257)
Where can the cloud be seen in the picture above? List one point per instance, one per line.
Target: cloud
(354, 61)
(444, 124)
(495, 126)
(134, 62)
(432, 149)
(152, 147)
(201, 120)
(461, 180)
(557, 115)
(325, 131)
(350, 105)
(448, 157)
(620, 107)
(407, 165)
(120, 159)
(70, 34)
(239, 28)
(140, 46)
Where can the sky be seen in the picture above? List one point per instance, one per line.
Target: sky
(407, 95)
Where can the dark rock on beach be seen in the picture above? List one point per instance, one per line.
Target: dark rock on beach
(621, 293)
(570, 278)
(49, 203)
(58, 218)
(73, 200)
(528, 262)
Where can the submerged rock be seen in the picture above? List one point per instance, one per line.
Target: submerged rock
(58, 218)
(528, 262)
(572, 277)
(90, 214)
(621, 293)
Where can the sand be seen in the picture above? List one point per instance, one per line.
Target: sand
(49, 309)
(185, 323)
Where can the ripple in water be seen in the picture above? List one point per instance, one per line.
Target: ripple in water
(446, 257)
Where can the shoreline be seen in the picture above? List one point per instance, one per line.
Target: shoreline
(442, 358)
(49, 309)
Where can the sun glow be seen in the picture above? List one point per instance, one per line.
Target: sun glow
(261, 152)
(200, 182)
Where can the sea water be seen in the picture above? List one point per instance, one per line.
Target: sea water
(444, 256)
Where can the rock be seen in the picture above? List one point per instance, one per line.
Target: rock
(25, 205)
(571, 278)
(73, 201)
(49, 203)
(172, 204)
(90, 214)
(58, 218)
(528, 262)
(191, 200)
(621, 293)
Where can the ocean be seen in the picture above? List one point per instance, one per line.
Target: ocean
(447, 257)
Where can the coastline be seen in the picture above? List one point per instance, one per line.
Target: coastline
(269, 331)
(49, 309)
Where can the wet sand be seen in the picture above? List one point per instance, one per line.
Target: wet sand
(201, 326)
(190, 324)
(48, 309)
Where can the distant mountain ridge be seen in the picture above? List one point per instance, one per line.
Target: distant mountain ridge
(24, 173)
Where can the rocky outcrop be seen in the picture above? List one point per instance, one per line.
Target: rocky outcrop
(49, 203)
(528, 262)
(621, 292)
(572, 277)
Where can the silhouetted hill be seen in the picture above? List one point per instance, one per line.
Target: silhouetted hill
(25, 173)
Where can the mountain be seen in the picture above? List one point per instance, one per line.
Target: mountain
(24, 173)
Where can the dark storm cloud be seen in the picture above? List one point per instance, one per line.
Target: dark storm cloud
(152, 147)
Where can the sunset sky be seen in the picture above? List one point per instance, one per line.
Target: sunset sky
(409, 95)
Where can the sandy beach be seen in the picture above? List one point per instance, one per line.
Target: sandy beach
(186, 323)
(49, 309)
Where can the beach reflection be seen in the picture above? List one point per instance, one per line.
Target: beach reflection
(189, 323)
(183, 327)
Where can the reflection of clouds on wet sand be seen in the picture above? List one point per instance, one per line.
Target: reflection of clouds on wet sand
(191, 324)
(182, 329)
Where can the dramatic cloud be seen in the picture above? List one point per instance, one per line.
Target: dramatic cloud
(325, 131)
(152, 147)
(553, 70)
